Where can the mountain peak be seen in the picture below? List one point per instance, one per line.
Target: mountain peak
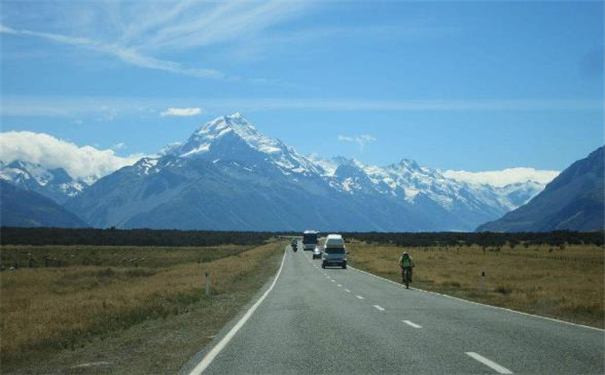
(409, 163)
(405, 165)
(222, 125)
(222, 132)
(234, 125)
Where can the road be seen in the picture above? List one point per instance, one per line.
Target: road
(316, 321)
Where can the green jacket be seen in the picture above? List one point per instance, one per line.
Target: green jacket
(406, 263)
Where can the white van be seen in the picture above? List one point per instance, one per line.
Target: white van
(334, 252)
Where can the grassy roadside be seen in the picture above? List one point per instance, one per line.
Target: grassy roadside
(119, 318)
(563, 282)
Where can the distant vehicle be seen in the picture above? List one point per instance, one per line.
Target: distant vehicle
(293, 242)
(316, 253)
(309, 240)
(334, 252)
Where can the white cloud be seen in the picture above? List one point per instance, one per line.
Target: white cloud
(86, 162)
(361, 140)
(182, 112)
(503, 177)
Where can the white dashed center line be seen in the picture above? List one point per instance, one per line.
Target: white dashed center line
(339, 285)
(487, 362)
(411, 324)
(379, 308)
(347, 290)
(333, 280)
(360, 297)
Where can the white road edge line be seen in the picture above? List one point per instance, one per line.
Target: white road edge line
(411, 324)
(379, 308)
(478, 303)
(360, 297)
(221, 345)
(487, 362)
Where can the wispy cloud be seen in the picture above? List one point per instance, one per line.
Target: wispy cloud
(200, 25)
(182, 112)
(119, 146)
(137, 33)
(125, 54)
(361, 140)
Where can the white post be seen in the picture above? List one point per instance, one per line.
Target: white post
(207, 284)
(483, 287)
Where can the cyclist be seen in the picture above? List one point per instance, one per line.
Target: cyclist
(406, 261)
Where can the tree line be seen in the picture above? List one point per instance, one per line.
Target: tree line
(154, 237)
(130, 237)
(484, 239)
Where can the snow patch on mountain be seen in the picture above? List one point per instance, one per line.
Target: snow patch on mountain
(56, 183)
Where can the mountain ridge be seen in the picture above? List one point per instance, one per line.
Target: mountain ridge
(22, 208)
(55, 184)
(574, 201)
(228, 154)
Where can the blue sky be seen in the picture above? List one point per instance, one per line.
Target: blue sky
(454, 85)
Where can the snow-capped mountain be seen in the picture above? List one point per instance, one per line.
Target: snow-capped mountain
(574, 200)
(233, 137)
(409, 181)
(518, 194)
(229, 176)
(56, 184)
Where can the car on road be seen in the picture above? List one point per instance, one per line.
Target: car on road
(317, 253)
(334, 252)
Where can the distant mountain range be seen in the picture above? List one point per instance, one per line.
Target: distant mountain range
(574, 201)
(56, 184)
(228, 176)
(21, 208)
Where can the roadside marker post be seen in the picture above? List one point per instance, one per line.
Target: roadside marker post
(207, 284)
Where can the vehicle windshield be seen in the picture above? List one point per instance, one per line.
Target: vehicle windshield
(335, 250)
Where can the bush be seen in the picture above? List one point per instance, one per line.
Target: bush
(503, 290)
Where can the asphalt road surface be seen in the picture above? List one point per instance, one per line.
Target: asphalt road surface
(315, 321)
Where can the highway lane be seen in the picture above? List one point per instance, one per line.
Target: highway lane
(346, 321)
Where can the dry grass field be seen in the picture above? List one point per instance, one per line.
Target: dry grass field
(109, 296)
(561, 282)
